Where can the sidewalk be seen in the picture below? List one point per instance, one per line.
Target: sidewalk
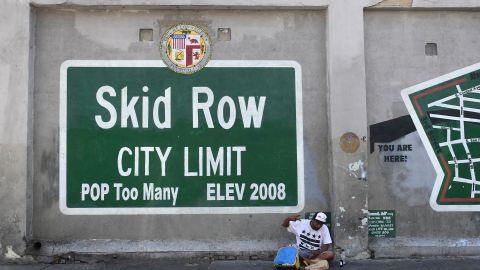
(380, 264)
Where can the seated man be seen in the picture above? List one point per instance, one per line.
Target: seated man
(313, 237)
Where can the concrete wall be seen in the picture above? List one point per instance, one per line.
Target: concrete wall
(347, 87)
(396, 59)
(14, 122)
(66, 34)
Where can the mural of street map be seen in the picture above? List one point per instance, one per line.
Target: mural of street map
(446, 114)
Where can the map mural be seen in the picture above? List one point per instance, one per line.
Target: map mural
(446, 114)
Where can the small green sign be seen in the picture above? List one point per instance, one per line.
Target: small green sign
(381, 223)
(138, 138)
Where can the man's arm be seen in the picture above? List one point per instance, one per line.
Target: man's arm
(324, 247)
(324, 253)
(286, 222)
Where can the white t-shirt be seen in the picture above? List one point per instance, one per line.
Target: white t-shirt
(308, 238)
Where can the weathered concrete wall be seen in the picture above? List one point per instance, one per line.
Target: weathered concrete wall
(14, 91)
(396, 59)
(347, 119)
(62, 34)
(346, 88)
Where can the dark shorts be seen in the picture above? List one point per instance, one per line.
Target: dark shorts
(305, 253)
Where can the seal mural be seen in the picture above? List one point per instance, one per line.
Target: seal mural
(185, 48)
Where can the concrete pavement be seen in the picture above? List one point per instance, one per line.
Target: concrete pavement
(437, 263)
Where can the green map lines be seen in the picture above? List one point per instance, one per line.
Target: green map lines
(446, 113)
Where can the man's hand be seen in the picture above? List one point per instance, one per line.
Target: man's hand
(316, 253)
(323, 253)
(290, 218)
(294, 217)
(324, 248)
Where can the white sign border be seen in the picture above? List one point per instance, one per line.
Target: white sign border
(423, 136)
(178, 210)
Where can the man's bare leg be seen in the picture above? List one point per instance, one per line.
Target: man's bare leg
(326, 255)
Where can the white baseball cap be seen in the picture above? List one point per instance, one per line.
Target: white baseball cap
(321, 217)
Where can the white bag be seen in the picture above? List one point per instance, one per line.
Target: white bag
(318, 265)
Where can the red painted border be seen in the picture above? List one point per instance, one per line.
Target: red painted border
(431, 91)
(440, 156)
(447, 182)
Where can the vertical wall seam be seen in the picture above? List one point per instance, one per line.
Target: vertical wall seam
(30, 123)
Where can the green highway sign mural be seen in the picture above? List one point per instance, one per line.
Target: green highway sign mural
(138, 138)
(446, 114)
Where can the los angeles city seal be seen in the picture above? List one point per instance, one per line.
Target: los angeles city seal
(185, 48)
